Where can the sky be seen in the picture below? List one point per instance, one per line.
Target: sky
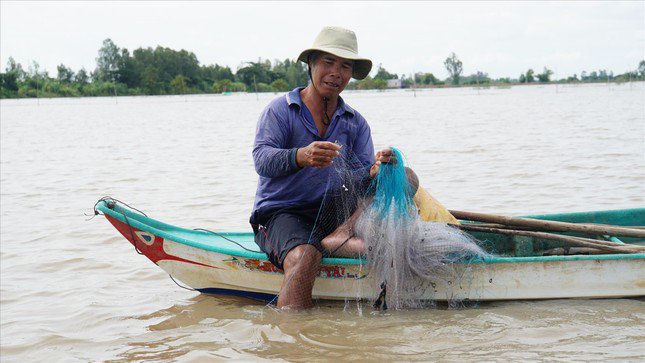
(503, 39)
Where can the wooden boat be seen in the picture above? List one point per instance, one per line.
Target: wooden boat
(230, 263)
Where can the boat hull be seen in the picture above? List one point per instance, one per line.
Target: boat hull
(497, 278)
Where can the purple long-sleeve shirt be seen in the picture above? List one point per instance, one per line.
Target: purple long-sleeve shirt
(286, 125)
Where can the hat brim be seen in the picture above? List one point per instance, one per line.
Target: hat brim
(362, 66)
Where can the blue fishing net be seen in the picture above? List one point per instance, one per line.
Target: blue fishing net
(419, 261)
(392, 191)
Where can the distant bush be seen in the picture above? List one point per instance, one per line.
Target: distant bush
(162, 71)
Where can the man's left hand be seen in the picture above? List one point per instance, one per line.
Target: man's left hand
(384, 156)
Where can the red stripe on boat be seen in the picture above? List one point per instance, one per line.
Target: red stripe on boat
(154, 251)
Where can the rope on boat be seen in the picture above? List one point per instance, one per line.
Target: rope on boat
(226, 238)
(183, 287)
(134, 240)
(111, 202)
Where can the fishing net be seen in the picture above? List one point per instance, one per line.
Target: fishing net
(407, 260)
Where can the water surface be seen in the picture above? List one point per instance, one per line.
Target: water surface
(74, 290)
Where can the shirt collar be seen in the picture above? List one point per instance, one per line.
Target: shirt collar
(293, 98)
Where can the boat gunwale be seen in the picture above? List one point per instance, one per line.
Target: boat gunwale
(147, 224)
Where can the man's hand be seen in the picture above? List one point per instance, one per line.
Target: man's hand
(384, 156)
(318, 154)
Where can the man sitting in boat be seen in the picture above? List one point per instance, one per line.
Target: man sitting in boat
(298, 137)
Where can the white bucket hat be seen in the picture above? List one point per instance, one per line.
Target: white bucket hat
(342, 43)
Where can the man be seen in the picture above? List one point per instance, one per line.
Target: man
(298, 137)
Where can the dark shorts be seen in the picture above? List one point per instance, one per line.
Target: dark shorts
(284, 231)
(278, 231)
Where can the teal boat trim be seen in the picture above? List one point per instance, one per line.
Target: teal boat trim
(618, 217)
(175, 233)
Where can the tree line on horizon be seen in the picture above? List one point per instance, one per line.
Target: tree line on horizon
(164, 71)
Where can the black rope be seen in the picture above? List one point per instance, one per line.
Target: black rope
(226, 238)
(177, 283)
(96, 211)
(111, 203)
(134, 240)
(331, 254)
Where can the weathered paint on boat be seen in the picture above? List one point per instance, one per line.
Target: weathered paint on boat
(229, 263)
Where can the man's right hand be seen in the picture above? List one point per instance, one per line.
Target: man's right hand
(318, 154)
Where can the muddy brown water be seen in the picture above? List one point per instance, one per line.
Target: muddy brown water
(74, 290)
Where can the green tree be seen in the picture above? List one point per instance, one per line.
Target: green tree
(238, 87)
(65, 75)
(296, 74)
(593, 76)
(255, 73)
(365, 83)
(641, 69)
(222, 85)
(381, 73)
(426, 79)
(280, 85)
(263, 87)
(545, 76)
(602, 75)
(16, 68)
(406, 81)
(212, 73)
(34, 80)
(370, 83)
(529, 76)
(380, 84)
(107, 61)
(127, 71)
(82, 77)
(150, 81)
(179, 84)
(522, 78)
(153, 70)
(476, 78)
(10, 79)
(454, 67)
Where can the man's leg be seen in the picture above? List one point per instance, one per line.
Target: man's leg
(342, 242)
(301, 266)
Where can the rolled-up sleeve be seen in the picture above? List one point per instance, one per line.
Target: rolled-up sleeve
(271, 155)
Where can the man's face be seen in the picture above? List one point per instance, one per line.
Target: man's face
(330, 74)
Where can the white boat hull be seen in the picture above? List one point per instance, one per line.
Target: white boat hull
(599, 276)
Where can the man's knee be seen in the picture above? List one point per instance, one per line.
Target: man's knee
(305, 254)
(327, 243)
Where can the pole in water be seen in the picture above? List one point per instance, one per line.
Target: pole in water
(255, 85)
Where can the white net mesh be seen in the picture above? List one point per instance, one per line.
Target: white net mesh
(407, 258)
